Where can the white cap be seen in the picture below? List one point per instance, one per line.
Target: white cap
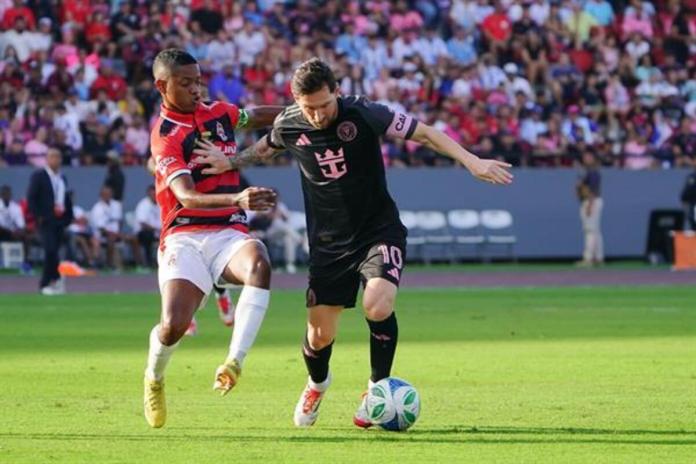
(510, 68)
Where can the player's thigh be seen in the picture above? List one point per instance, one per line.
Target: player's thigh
(181, 259)
(322, 324)
(250, 265)
(180, 300)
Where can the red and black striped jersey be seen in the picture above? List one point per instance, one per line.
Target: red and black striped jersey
(172, 142)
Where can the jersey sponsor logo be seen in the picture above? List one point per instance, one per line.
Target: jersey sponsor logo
(238, 218)
(229, 149)
(163, 163)
(333, 165)
(347, 131)
(303, 140)
(221, 131)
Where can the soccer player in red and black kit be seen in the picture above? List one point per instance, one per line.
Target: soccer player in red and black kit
(355, 234)
(204, 239)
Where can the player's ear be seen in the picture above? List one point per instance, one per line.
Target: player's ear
(161, 85)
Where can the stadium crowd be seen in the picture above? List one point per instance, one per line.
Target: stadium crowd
(533, 82)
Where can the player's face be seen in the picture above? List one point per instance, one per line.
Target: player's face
(320, 108)
(182, 90)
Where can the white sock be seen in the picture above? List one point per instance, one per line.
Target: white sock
(251, 309)
(321, 386)
(158, 356)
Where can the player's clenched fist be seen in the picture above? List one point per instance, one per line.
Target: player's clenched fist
(256, 198)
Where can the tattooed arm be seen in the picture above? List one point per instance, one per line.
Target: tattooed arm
(208, 153)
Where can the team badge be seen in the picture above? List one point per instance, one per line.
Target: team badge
(221, 131)
(347, 131)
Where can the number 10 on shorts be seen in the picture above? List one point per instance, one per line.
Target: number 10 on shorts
(392, 255)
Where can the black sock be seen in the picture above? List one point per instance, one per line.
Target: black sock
(383, 337)
(317, 361)
(219, 290)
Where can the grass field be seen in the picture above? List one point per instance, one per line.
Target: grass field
(532, 375)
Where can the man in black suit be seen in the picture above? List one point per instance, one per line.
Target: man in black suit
(52, 208)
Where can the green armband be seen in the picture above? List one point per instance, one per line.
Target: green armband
(243, 119)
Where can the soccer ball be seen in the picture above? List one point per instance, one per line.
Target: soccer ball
(393, 404)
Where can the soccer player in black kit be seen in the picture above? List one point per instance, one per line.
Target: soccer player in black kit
(355, 235)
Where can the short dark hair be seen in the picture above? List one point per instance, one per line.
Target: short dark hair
(171, 58)
(312, 76)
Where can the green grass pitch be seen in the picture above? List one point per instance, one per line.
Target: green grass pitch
(505, 375)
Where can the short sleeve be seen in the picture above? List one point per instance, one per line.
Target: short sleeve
(169, 160)
(275, 137)
(386, 121)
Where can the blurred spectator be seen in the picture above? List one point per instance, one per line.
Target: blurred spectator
(109, 82)
(226, 86)
(275, 227)
(147, 225)
(688, 199)
(18, 10)
(79, 236)
(106, 219)
(591, 204)
(17, 37)
(115, 179)
(601, 11)
(577, 127)
(12, 225)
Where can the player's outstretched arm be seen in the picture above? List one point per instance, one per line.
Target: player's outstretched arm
(493, 171)
(253, 198)
(218, 162)
(262, 116)
(151, 165)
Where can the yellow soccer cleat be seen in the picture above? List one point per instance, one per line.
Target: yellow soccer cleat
(155, 404)
(227, 376)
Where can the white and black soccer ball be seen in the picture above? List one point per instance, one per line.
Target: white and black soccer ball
(393, 404)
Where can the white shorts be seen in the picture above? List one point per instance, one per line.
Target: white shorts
(199, 257)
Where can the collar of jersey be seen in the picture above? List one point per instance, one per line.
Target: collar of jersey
(178, 118)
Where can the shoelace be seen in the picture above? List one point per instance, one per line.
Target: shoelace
(152, 397)
(311, 397)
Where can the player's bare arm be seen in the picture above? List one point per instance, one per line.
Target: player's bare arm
(493, 171)
(261, 116)
(253, 198)
(218, 162)
(151, 165)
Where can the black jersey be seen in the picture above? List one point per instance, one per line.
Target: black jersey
(343, 179)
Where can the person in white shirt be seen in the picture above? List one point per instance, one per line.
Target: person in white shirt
(148, 224)
(275, 226)
(80, 235)
(221, 51)
(12, 224)
(105, 218)
(431, 47)
(250, 42)
(11, 218)
(516, 83)
(19, 38)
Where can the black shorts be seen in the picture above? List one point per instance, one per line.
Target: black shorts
(337, 283)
